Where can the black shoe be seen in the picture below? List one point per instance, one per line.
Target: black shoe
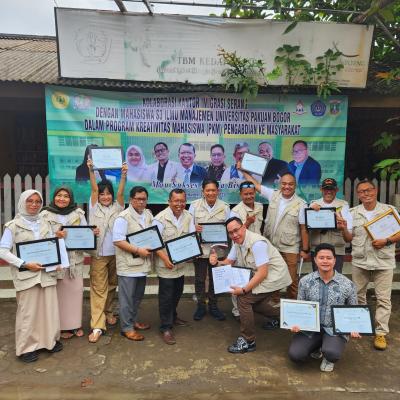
(32, 356)
(216, 313)
(57, 347)
(200, 312)
(242, 346)
(270, 324)
(236, 317)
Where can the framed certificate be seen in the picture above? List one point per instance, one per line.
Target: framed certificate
(213, 232)
(347, 319)
(148, 238)
(383, 226)
(226, 276)
(80, 237)
(254, 164)
(325, 218)
(106, 157)
(183, 248)
(304, 314)
(44, 251)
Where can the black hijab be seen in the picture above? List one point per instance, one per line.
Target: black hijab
(72, 206)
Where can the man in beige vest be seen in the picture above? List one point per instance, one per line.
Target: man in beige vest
(172, 223)
(251, 214)
(373, 259)
(269, 275)
(336, 237)
(284, 224)
(133, 263)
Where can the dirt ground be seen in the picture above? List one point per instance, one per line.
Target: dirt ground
(198, 367)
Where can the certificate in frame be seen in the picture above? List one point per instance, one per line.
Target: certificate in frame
(219, 235)
(383, 226)
(254, 164)
(102, 155)
(21, 251)
(84, 245)
(325, 218)
(131, 236)
(190, 243)
(358, 319)
(304, 314)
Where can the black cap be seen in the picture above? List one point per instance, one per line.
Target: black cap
(329, 183)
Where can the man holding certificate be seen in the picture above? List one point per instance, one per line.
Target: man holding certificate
(172, 223)
(374, 256)
(208, 209)
(328, 288)
(270, 274)
(337, 237)
(284, 224)
(133, 262)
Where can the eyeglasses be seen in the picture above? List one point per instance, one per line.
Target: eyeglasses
(234, 231)
(247, 186)
(34, 201)
(365, 191)
(140, 199)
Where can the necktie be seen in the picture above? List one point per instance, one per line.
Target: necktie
(186, 180)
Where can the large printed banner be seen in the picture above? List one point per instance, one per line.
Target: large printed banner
(178, 140)
(112, 45)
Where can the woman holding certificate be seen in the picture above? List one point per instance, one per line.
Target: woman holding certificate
(208, 210)
(60, 212)
(103, 211)
(37, 323)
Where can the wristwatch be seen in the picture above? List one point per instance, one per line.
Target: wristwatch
(306, 250)
(244, 290)
(388, 242)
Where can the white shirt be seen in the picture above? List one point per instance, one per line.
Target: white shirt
(209, 209)
(372, 214)
(177, 221)
(260, 253)
(181, 172)
(283, 203)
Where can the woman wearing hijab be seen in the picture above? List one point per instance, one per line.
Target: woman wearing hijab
(64, 211)
(37, 324)
(81, 172)
(137, 167)
(103, 211)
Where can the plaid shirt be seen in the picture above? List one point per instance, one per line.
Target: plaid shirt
(338, 291)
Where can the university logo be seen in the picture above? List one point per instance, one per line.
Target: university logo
(81, 102)
(300, 108)
(318, 108)
(334, 107)
(60, 100)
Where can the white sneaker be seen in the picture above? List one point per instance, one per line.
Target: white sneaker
(326, 366)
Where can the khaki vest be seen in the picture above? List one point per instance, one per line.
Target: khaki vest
(331, 236)
(75, 257)
(286, 237)
(26, 279)
(99, 218)
(126, 262)
(363, 254)
(278, 276)
(244, 211)
(202, 215)
(171, 231)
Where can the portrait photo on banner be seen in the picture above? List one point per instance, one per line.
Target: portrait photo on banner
(178, 140)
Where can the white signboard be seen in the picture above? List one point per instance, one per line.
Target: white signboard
(111, 45)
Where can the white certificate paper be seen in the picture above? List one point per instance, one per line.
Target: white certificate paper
(352, 319)
(325, 218)
(45, 251)
(148, 238)
(226, 276)
(80, 238)
(183, 248)
(63, 255)
(254, 164)
(304, 314)
(384, 227)
(106, 157)
(214, 233)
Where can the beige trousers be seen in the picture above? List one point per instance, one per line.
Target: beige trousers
(291, 261)
(382, 279)
(103, 283)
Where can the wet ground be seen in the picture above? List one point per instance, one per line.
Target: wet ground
(198, 367)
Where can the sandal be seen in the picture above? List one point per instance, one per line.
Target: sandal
(68, 334)
(111, 320)
(95, 335)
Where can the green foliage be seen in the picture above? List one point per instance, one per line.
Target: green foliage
(385, 141)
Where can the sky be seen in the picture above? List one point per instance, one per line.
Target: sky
(36, 17)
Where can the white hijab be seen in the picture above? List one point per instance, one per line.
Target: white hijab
(22, 205)
(136, 173)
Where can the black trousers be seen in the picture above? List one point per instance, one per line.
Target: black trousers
(201, 268)
(169, 293)
(302, 346)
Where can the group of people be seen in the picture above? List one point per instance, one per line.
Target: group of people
(187, 172)
(50, 303)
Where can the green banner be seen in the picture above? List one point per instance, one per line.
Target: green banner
(169, 140)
